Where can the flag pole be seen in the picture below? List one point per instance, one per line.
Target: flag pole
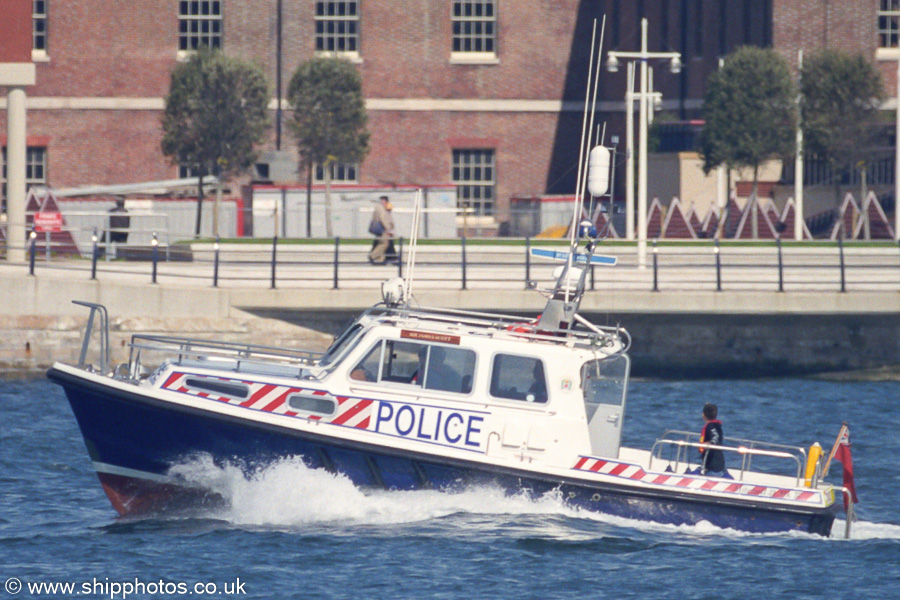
(834, 449)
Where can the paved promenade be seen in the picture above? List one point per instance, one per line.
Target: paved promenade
(686, 279)
(702, 321)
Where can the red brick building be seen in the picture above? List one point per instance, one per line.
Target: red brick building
(486, 94)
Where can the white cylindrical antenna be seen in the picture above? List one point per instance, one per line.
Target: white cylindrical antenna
(598, 171)
(413, 243)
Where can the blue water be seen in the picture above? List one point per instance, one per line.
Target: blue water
(296, 533)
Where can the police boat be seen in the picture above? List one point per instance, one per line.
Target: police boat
(411, 398)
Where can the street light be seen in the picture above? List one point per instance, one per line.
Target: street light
(897, 162)
(644, 96)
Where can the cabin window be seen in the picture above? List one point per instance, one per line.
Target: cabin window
(603, 381)
(347, 339)
(390, 360)
(318, 405)
(432, 366)
(518, 378)
(450, 369)
(237, 391)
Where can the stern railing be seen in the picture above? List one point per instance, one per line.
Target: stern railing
(680, 442)
(180, 350)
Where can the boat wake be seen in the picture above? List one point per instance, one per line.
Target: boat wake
(290, 495)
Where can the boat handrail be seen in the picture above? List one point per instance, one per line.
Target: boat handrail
(497, 323)
(96, 309)
(746, 449)
(688, 435)
(186, 349)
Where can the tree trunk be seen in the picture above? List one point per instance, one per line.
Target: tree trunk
(754, 214)
(863, 192)
(309, 198)
(200, 174)
(836, 179)
(328, 228)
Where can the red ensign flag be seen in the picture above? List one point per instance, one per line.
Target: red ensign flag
(843, 455)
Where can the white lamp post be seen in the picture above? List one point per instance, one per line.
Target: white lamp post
(644, 96)
(798, 164)
(897, 163)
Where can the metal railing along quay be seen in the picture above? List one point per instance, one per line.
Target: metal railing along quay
(464, 264)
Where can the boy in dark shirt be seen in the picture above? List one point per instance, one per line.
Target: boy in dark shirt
(712, 460)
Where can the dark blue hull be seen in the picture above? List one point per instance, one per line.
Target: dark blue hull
(142, 438)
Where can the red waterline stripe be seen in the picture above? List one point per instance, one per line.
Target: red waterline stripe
(618, 469)
(351, 412)
(276, 402)
(261, 393)
(172, 379)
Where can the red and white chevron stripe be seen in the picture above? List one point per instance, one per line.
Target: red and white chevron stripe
(636, 473)
(267, 397)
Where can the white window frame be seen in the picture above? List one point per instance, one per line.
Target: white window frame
(890, 15)
(39, 30)
(188, 171)
(340, 173)
(35, 159)
(474, 172)
(473, 32)
(338, 14)
(199, 15)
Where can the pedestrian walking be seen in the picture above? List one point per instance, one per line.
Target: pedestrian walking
(382, 227)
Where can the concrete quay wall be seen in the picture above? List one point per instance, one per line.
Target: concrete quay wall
(675, 333)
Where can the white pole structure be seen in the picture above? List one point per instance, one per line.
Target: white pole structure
(579, 192)
(629, 154)
(798, 165)
(642, 156)
(15, 175)
(643, 56)
(897, 163)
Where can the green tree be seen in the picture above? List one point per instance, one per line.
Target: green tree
(328, 120)
(216, 113)
(840, 99)
(750, 113)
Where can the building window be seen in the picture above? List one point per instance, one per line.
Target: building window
(474, 26)
(199, 24)
(473, 173)
(340, 172)
(35, 169)
(188, 171)
(337, 26)
(39, 25)
(889, 24)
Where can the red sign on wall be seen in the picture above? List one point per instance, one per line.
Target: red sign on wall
(48, 222)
